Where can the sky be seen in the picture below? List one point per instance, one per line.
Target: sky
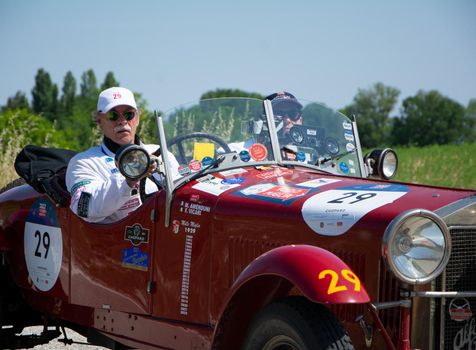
(174, 51)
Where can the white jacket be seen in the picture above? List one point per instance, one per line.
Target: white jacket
(99, 193)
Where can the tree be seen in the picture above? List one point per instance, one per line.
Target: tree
(230, 93)
(470, 120)
(18, 101)
(372, 108)
(69, 93)
(109, 81)
(430, 118)
(45, 95)
(88, 89)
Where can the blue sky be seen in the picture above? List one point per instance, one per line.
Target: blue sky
(173, 51)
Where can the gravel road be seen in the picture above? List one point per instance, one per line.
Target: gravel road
(54, 344)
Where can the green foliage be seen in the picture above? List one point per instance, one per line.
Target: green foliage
(430, 118)
(446, 165)
(109, 81)
(18, 129)
(230, 93)
(88, 88)
(45, 95)
(18, 101)
(372, 108)
(69, 93)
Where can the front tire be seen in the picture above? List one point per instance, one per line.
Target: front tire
(296, 323)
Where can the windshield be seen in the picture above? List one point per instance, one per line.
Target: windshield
(199, 134)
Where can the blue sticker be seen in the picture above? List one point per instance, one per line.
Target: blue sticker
(344, 167)
(42, 212)
(207, 161)
(301, 156)
(233, 181)
(134, 258)
(245, 156)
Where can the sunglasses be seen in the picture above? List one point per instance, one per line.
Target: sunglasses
(291, 114)
(114, 115)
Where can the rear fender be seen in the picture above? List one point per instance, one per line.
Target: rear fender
(320, 275)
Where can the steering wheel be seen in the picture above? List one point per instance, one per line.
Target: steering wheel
(182, 159)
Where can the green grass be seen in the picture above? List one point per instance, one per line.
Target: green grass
(446, 165)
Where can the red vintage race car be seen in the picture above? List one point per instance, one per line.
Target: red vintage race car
(271, 238)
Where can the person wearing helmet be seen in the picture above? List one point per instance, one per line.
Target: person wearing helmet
(287, 111)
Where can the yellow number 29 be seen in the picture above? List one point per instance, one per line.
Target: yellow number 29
(334, 286)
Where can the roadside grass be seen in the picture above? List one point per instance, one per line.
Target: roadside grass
(445, 165)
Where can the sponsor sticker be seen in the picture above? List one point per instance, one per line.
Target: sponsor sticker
(206, 161)
(347, 125)
(275, 193)
(233, 180)
(245, 156)
(43, 245)
(136, 234)
(195, 165)
(274, 173)
(214, 186)
(258, 151)
(344, 168)
(334, 212)
(134, 258)
(233, 172)
(317, 182)
(184, 169)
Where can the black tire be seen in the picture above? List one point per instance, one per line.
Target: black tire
(296, 323)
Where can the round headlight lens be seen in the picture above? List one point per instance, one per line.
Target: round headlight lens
(417, 246)
(389, 164)
(132, 161)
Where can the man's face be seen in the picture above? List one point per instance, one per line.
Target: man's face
(289, 116)
(121, 131)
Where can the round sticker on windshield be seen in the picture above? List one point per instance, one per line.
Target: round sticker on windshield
(183, 170)
(301, 156)
(258, 151)
(245, 156)
(43, 245)
(207, 161)
(195, 165)
(344, 167)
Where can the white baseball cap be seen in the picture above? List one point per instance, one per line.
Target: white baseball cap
(115, 96)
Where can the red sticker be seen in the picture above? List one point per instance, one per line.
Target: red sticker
(195, 165)
(258, 151)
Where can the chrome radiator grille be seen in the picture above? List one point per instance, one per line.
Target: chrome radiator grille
(457, 330)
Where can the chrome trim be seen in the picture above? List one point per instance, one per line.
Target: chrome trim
(169, 187)
(363, 170)
(268, 107)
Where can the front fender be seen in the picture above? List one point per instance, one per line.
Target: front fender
(320, 275)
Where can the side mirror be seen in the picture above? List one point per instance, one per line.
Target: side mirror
(132, 161)
(382, 163)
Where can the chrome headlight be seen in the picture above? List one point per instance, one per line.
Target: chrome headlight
(382, 163)
(416, 246)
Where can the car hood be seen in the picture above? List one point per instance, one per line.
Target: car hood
(328, 205)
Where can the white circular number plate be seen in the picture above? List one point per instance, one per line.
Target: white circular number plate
(334, 212)
(43, 245)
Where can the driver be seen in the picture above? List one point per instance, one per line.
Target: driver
(287, 111)
(99, 193)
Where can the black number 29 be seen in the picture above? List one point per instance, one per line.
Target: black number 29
(358, 198)
(42, 240)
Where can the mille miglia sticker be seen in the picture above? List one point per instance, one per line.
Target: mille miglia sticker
(136, 234)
